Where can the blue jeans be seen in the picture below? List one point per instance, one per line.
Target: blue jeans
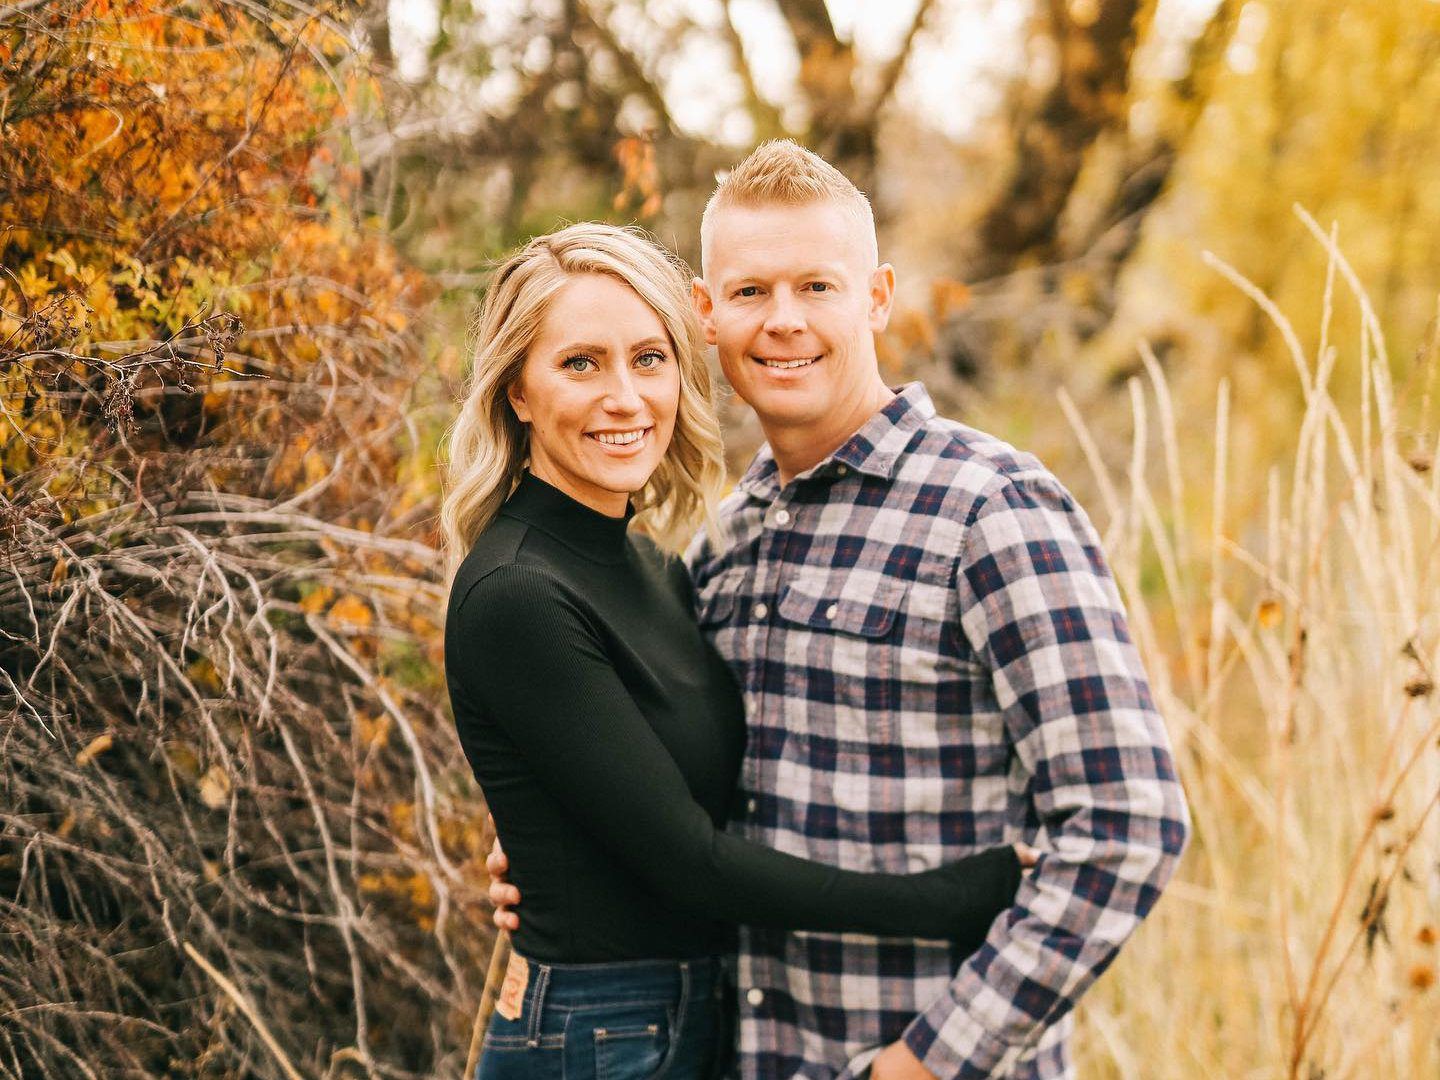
(634, 1020)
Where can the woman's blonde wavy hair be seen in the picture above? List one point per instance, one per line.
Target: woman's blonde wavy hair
(488, 446)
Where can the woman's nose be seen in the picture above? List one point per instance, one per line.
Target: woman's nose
(621, 395)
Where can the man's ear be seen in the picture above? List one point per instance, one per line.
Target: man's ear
(882, 296)
(704, 305)
(515, 392)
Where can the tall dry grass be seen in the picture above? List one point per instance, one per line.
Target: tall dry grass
(1294, 653)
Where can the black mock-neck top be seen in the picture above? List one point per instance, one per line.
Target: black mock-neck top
(606, 735)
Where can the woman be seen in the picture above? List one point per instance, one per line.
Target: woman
(605, 732)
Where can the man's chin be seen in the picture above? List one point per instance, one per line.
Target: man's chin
(779, 400)
(787, 414)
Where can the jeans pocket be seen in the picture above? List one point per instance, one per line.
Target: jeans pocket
(631, 1045)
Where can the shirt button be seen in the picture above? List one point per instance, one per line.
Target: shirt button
(761, 611)
(755, 996)
(832, 611)
(750, 805)
(782, 517)
(841, 470)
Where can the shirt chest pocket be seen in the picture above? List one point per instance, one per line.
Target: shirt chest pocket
(843, 634)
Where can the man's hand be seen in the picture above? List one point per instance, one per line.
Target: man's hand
(502, 894)
(1027, 855)
(897, 1062)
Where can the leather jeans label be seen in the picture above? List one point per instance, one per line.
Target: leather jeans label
(512, 990)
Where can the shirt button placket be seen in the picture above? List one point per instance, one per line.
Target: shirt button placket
(780, 518)
(764, 585)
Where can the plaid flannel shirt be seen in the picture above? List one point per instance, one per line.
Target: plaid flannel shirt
(935, 661)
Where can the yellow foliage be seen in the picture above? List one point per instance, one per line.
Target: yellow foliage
(96, 746)
(214, 787)
(317, 599)
(183, 759)
(402, 820)
(350, 613)
(203, 674)
(373, 731)
(150, 215)
(316, 467)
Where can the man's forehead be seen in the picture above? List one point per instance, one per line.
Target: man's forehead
(824, 236)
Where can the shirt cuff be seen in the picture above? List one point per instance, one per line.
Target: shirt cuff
(953, 1045)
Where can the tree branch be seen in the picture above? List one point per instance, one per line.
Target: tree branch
(765, 115)
(890, 74)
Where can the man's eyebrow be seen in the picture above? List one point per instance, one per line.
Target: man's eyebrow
(822, 270)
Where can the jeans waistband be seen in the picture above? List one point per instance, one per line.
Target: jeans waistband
(577, 984)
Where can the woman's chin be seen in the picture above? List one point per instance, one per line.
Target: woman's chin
(621, 474)
(624, 481)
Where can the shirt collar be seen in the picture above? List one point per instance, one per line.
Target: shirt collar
(875, 449)
(586, 532)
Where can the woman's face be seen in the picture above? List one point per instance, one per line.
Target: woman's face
(599, 389)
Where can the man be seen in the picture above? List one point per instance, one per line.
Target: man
(934, 660)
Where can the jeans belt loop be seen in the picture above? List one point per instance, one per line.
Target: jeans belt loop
(684, 997)
(537, 1003)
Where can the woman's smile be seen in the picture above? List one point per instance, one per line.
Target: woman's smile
(620, 441)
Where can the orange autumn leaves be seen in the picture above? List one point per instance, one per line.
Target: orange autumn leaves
(158, 166)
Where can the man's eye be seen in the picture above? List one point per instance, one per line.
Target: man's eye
(748, 290)
(653, 358)
(577, 363)
(820, 286)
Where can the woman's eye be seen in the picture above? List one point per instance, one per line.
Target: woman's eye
(650, 359)
(577, 363)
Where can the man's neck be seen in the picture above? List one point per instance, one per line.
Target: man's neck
(803, 447)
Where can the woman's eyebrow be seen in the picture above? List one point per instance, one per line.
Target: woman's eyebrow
(650, 343)
(582, 346)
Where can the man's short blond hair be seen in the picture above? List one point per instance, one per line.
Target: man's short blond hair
(781, 172)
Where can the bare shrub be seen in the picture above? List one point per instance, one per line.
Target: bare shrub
(236, 837)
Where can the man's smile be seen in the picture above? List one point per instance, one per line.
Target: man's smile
(785, 363)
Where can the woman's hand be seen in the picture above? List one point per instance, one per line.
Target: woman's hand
(502, 894)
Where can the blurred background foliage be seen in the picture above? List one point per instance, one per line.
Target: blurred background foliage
(241, 241)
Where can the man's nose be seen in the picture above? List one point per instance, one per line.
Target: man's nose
(621, 395)
(785, 315)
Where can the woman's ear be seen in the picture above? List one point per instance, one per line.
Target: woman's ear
(516, 395)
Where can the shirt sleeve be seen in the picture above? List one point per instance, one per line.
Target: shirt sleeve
(1040, 608)
(540, 672)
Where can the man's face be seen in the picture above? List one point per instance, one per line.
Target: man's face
(791, 300)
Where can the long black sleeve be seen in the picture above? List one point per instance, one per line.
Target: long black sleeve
(530, 657)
